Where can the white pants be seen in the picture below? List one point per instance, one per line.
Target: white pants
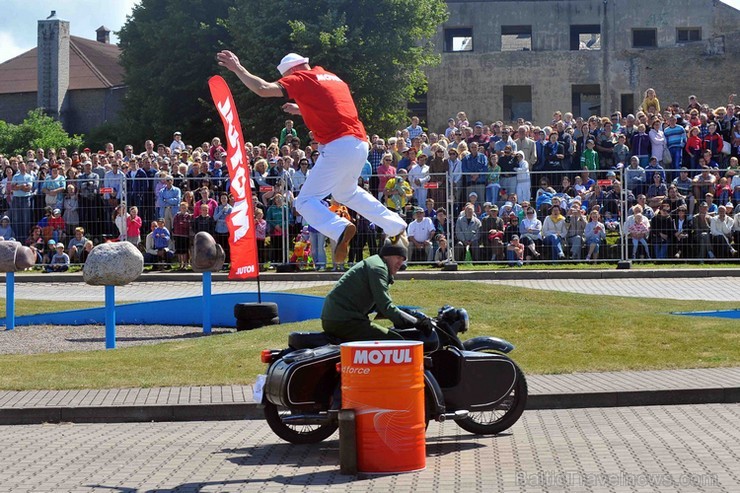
(523, 191)
(335, 173)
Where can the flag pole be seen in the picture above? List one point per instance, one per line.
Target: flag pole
(259, 290)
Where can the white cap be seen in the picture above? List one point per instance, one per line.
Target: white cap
(289, 61)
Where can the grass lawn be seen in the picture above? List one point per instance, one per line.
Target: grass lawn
(553, 333)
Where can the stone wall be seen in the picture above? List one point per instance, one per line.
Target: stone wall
(14, 108)
(90, 108)
(473, 81)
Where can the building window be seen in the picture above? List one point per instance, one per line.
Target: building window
(627, 103)
(459, 39)
(517, 102)
(644, 38)
(687, 34)
(516, 38)
(585, 37)
(586, 99)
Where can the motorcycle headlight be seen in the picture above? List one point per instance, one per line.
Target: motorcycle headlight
(463, 314)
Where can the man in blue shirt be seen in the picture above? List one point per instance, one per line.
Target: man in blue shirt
(474, 168)
(20, 208)
(675, 139)
(170, 197)
(414, 129)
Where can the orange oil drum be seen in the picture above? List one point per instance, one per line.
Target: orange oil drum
(383, 381)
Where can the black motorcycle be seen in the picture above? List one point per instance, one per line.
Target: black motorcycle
(472, 382)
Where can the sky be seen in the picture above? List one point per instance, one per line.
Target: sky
(18, 32)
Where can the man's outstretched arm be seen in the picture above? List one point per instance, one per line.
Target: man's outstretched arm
(255, 84)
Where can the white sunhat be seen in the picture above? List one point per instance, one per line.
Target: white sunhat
(289, 61)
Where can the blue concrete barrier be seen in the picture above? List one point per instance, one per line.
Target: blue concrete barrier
(183, 311)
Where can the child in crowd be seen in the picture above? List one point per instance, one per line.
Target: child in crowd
(57, 224)
(48, 252)
(515, 252)
(6, 232)
(119, 219)
(260, 232)
(158, 244)
(59, 261)
(639, 231)
(89, 245)
(133, 226)
(204, 222)
(578, 185)
(76, 245)
(589, 157)
(181, 233)
(442, 255)
(621, 151)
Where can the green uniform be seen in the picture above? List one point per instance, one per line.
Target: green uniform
(361, 290)
(590, 160)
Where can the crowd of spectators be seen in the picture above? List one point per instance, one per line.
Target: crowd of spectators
(663, 180)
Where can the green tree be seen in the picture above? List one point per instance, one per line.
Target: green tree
(36, 131)
(379, 47)
(168, 53)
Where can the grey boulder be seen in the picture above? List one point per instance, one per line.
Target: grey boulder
(208, 256)
(113, 264)
(14, 256)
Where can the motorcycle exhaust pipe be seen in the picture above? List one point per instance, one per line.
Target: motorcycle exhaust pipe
(461, 414)
(306, 419)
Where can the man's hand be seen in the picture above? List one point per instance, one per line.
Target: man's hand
(228, 59)
(291, 108)
(425, 326)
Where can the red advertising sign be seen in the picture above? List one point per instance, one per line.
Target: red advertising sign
(242, 238)
(265, 188)
(604, 183)
(106, 190)
(431, 184)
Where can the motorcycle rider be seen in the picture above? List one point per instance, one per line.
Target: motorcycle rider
(364, 288)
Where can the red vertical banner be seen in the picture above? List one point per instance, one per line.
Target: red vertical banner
(242, 238)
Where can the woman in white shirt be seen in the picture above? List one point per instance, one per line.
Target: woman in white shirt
(523, 182)
(657, 140)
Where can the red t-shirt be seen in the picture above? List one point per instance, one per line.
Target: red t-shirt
(326, 104)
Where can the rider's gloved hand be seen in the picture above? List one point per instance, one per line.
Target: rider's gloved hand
(425, 326)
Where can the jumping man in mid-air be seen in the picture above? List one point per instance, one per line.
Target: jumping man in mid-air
(326, 105)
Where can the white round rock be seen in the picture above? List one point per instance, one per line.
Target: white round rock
(113, 264)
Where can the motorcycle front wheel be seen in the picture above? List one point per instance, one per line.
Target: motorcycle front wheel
(298, 434)
(503, 417)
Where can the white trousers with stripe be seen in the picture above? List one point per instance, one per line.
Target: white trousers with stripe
(336, 173)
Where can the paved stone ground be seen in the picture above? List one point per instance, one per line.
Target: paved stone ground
(667, 288)
(706, 289)
(656, 449)
(574, 383)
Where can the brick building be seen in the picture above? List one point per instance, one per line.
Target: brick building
(528, 58)
(76, 80)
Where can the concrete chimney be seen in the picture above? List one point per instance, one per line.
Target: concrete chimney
(53, 64)
(103, 34)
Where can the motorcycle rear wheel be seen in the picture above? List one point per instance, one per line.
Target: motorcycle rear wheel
(298, 434)
(502, 418)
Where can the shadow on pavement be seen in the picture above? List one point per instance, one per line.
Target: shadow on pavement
(286, 454)
(325, 454)
(440, 449)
